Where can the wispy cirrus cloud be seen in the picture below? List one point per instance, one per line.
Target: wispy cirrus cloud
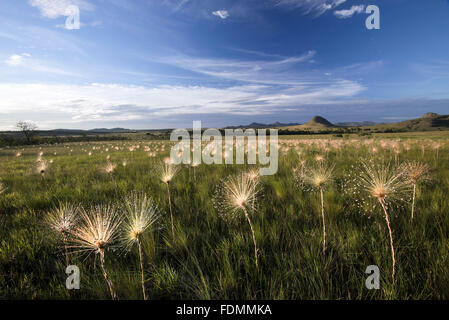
(26, 61)
(273, 71)
(317, 7)
(434, 69)
(348, 13)
(175, 5)
(242, 7)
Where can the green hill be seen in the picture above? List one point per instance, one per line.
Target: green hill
(317, 123)
(428, 122)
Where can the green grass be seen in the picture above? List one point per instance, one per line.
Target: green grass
(209, 258)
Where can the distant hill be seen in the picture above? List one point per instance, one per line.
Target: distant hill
(73, 132)
(317, 123)
(428, 122)
(430, 115)
(356, 124)
(96, 130)
(256, 125)
(105, 130)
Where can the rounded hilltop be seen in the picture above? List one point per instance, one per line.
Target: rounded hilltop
(430, 115)
(318, 122)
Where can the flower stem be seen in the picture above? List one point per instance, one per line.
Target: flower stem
(65, 249)
(115, 186)
(171, 213)
(324, 221)
(106, 277)
(387, 219)
(413, 201)
(253, 234)
(139, 244)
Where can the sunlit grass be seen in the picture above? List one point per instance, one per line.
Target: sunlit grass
(213, 259)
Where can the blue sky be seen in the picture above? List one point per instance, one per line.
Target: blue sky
(164, 63)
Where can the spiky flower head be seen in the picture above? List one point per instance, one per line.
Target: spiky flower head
(141, 215)
(97, 230)
(109, 167)
(371, 182)
(253, 174)
(317, 175)
(235, 195)
(416, 172)
(62, 218)
(382, 181)
(167, 171)
(41, 167)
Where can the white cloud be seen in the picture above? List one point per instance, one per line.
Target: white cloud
(26, 61)
(16, 59)
(113, 102)
(344, 14)
(57, 8)
(272, 71)
(223, 14)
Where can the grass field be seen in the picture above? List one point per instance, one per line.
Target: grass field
(210, 258)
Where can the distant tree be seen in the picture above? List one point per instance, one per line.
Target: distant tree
(27, 128)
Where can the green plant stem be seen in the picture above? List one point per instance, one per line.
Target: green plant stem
(65, 249)
(253, 235)
(413, 201)
(324, 221)
(387, 219)
(139, 245)
(171, 212)
(106, 277)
